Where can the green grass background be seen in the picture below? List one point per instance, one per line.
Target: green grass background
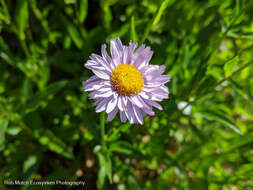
(203, 139)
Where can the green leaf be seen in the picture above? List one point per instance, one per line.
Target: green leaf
(121, 147)
(29, 163)
(3, 126)
(70, 1)
(116, 132)
(13, 130)
(105, 166)
(156, 19)
(160, 11)
(133, 31)
(8, 59)
(219, 117)
(26, 90)
(73, 32)
(83, 10)
(3, 45)
(4, 16)
(245, 169)
(30, 167)
(101, 177)
(39, 97)
(52, 142)
(240, 141)
(229, 67)
(107, 16)
(241, 91)
(21, 17)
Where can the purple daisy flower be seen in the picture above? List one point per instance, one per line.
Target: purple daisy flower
(125, 82)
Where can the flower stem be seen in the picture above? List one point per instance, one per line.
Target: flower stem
(102, 129)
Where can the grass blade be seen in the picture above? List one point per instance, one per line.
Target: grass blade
(220, 117)
(156, 19)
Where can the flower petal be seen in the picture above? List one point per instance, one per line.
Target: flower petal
(154, 104)
(153, 71)
(90, 80)
(157, 81)
(158, 92)
(101, 105)
(124, 54)
(101, 61)
(120, 103)
(138, 115)
(105, 89)
(101, 74)
(112, 114)
(123, 116)
(104, 95)
(97, 102)
(105, 54)
(130, 113)
(131, 48)
(116, 48)
(148, 111)
(144, 95)
(97, 94)
(91, 64)
(142, 57)
(111, 105)
(137, 100)
(125, 99)
(96, 85)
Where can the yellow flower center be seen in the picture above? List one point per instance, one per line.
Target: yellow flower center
(127, 80)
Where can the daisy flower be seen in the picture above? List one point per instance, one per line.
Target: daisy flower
(125, 82)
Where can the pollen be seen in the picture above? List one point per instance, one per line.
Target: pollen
(127, 80)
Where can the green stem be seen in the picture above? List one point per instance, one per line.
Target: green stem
(102, 129)
(24, 47)
(5, 8)
(39, 16)
(22, 41)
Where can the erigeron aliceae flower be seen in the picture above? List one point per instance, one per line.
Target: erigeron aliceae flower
(125, 82)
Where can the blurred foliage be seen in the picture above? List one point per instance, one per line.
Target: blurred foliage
(48, 129)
